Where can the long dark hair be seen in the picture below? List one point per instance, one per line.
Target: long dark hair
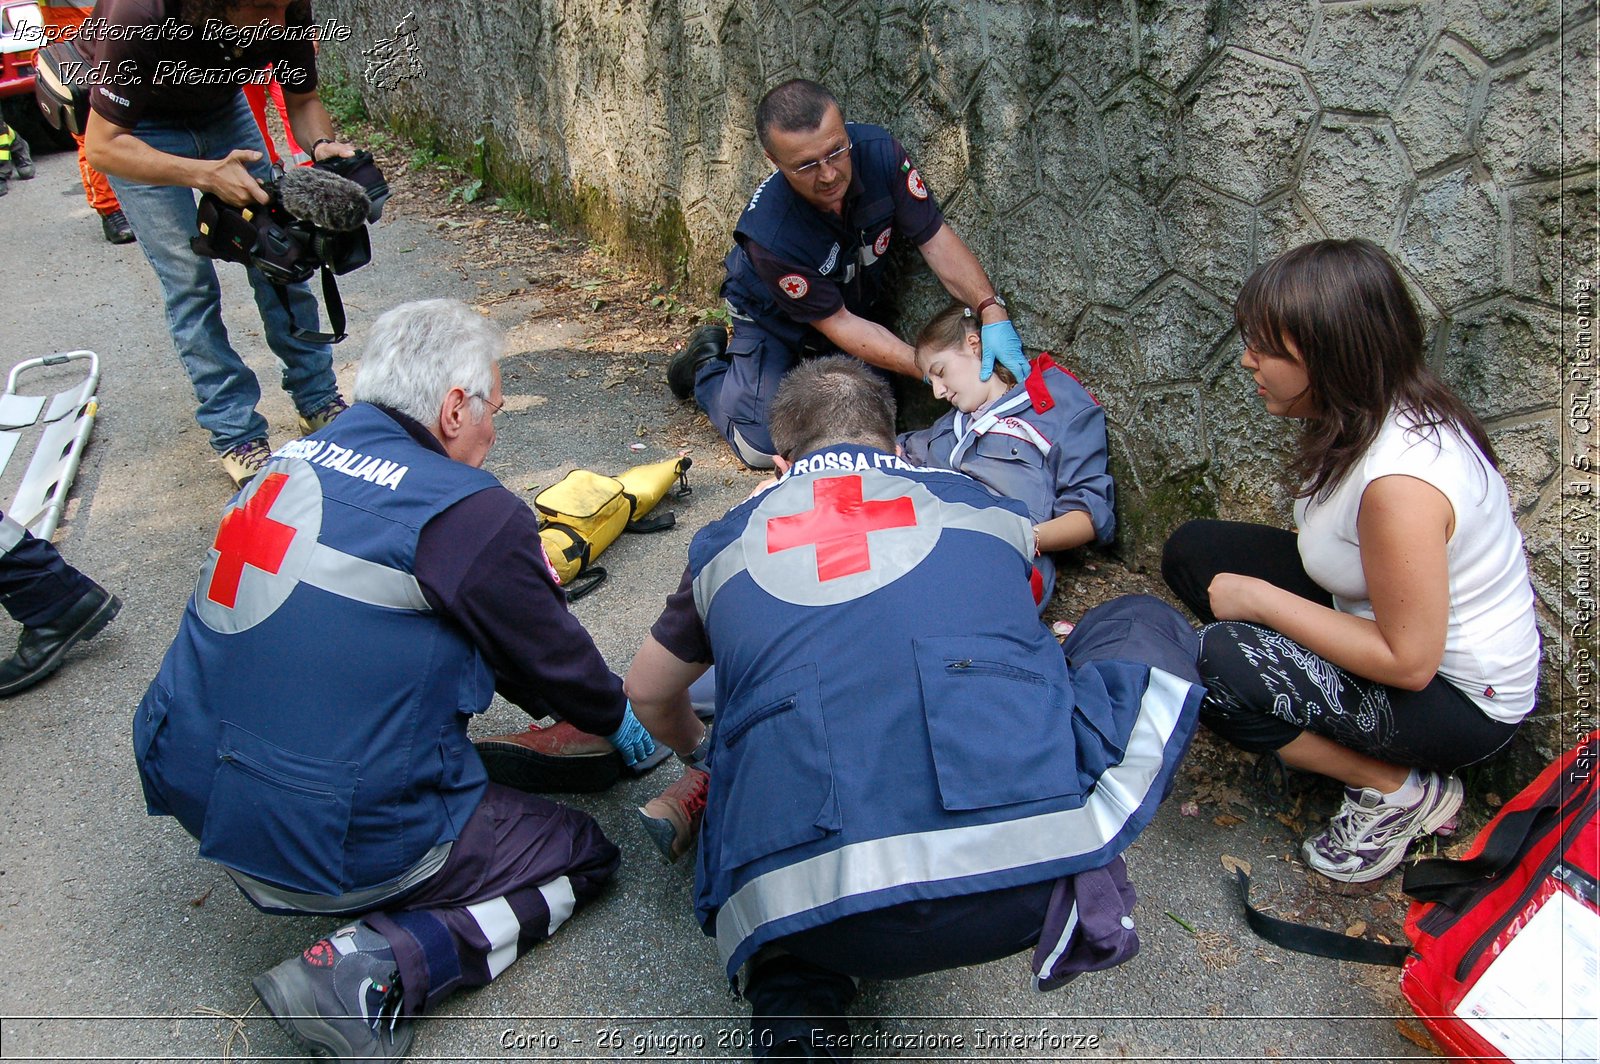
(1343, 306)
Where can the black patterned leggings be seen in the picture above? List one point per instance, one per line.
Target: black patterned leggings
(1264, 689)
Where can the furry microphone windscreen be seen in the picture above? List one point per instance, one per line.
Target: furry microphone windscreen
(326, 200)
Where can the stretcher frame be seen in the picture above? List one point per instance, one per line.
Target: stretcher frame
(68, 418)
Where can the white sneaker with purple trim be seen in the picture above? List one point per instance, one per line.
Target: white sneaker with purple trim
(1368, 837)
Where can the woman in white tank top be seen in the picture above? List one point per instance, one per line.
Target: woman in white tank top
(1392, 640)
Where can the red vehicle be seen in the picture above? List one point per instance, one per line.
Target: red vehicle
(22, 31)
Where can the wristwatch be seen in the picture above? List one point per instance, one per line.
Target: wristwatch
(992, 301)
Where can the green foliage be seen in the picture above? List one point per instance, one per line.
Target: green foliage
(340, 96)
(467, 192)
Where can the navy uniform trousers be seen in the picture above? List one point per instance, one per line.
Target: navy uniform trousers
(36, 583)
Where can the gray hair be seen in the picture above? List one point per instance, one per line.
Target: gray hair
(829, 400)
(418, 351)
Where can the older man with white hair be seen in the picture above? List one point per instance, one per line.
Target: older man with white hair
(364, 596)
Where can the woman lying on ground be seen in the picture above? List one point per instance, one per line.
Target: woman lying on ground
(1041, 441)
(1391, 641)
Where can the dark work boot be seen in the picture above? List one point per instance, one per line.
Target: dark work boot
(705, 343)
(114, 224)
(22, 159)
(792, 1002)
(341, 998)
(41, 648)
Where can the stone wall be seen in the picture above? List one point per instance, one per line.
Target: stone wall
(1120, 168)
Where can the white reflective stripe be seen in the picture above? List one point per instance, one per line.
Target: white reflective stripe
(501, 927)
(269, 897)
(558, 897)
(10, 533)
(954, 853)
(1060, 947)
(356, 578)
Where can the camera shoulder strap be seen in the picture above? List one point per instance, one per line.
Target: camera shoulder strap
(330, 299)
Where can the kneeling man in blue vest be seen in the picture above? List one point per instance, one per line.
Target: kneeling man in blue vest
(906, 773)
(366, 594)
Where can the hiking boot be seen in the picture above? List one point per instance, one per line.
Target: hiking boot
(1368, 837)
(705, 343)
(322, 416)
(41, 648)
(114, 224)
(673, 817)
(22, 159)
(341, 998)
(246, 460)
(559, 758)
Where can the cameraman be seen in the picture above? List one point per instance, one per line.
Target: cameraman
(169, 118)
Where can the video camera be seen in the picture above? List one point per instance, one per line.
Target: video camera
(315, 220)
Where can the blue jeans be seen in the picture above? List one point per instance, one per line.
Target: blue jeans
(163, 217)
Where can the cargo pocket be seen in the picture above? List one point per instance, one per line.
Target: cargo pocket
(1101, 734)
(149, 720)
(457, 773)
(476, 690)
(997, 721)
(279, 815)
(747, 388)
(772, 757)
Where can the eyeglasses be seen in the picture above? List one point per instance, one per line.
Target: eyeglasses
(494, 407)
(815, 165)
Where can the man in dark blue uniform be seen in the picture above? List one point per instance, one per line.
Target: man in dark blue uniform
(366, 595)
(807, 273)
(906, 772)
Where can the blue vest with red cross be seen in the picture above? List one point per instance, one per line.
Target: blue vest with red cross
(850, 252)
(894, 723)
(309, 723)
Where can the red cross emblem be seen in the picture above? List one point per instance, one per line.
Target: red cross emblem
(794, 285)
(915, 186)
(838, 524)
(248, 536)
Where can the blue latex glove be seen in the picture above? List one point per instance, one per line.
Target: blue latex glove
(1000, 341)
(631, 740)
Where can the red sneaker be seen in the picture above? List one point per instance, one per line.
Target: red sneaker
(673, 817)
(559, 758)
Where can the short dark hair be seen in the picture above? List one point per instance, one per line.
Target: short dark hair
(829, 400)
(797, 105)
(1344, 306)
